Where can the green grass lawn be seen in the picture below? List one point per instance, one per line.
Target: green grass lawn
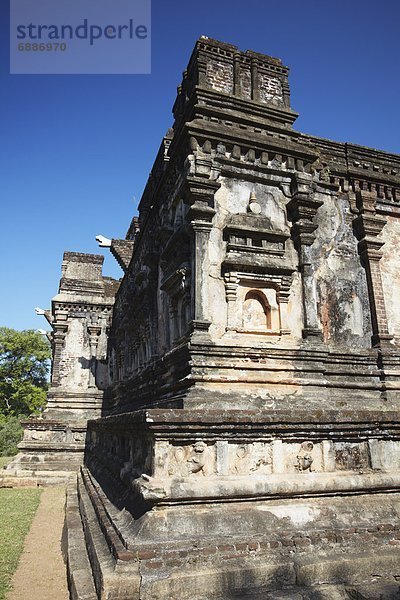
(17, 509)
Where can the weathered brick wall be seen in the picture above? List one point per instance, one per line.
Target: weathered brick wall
(270, 89)
(220, 76)
(122, 252)
(282, 545)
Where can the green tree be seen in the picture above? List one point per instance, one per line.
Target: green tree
(24, 365)
(11, 433)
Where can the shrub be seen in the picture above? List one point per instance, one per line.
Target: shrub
(10, 435)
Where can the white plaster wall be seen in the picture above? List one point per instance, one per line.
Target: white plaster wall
(390, 274)
(74, 364)
(342, 294)
(234, 194)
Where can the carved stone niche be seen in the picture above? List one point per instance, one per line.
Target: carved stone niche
(178, 288)
(253, 303)
(177, 284)
(258, 274)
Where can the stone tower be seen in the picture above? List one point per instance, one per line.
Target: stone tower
(80, 315)
(251, 445)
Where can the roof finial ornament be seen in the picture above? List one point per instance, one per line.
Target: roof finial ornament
(253, 205)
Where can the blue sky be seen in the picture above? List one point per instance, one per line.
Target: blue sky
(76, 151)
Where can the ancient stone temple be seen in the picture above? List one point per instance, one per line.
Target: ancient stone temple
(80, 315)
(250, 439)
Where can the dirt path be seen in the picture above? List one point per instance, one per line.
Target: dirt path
(41, 573)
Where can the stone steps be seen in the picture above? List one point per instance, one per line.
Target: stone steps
(113, 577)
(25, 478)
(80, 579)
(151, 573)
(383, 590)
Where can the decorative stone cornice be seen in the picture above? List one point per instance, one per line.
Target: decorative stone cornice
(199, 195)
(94, 332)
(302, 209)
(368, 225)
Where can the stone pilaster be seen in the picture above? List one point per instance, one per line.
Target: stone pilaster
(231, 285)
(283, 296)
(367, 226)
(94, 332)
(199, 194)
(236, 74)
(302, 209)
(60, 328)
(255, 84)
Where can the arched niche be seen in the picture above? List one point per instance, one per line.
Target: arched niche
(256, 314)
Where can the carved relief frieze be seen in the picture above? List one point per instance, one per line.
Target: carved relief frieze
(255, 457)
(55, 435)
(351, 456)
(305, 458)
(258, 457)
(205, 459)
(194, 459)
